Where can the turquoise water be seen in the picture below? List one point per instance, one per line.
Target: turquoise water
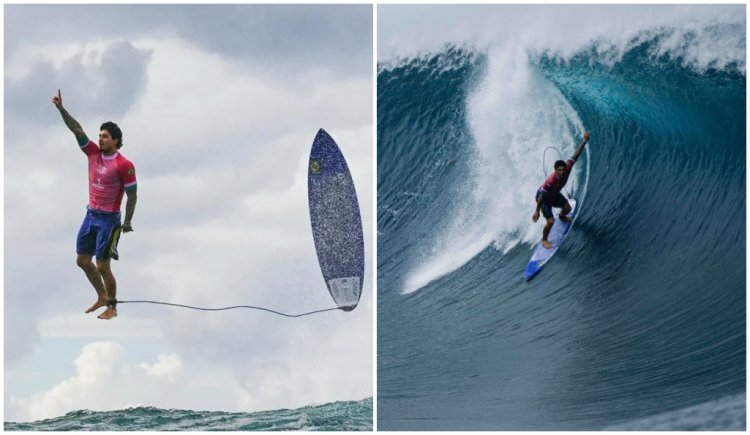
(641, 312)
(337, 416)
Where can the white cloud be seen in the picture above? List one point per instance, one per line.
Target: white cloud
(220, 147)
(88, 389)
(168, 367)
(104, 380)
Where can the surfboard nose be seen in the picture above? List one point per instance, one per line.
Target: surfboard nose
(325, 155)
(323, 141)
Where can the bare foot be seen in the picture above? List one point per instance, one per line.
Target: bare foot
(566, 219)
(100, 303)
(546, 244)
(108, 314)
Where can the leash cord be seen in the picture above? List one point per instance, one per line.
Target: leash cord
(227, 308)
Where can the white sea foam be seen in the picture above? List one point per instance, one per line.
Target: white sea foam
(703, 35)
(514, 114)
(725, 414)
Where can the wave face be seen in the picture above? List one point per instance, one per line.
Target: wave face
(336, 416)
(640, 312)
(726, 414)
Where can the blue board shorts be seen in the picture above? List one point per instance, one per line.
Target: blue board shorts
(550, 201)
(99, 234)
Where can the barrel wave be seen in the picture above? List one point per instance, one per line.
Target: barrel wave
(640, 313)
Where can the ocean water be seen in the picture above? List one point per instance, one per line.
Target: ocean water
(638, 321)
(336, 416)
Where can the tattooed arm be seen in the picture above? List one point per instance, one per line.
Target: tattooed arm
(72, 124)
(132, 194)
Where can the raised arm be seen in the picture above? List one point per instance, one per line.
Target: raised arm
(586, 137)
(72, 124)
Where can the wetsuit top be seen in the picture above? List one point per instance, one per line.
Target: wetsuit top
(554, 184)
(109, 176)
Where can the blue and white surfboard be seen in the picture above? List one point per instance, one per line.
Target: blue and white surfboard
(541, 255)
(336, 222)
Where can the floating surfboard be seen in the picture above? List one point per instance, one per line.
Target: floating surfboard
(336, 222)
(541, 255)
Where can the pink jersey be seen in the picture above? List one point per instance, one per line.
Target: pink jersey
(554, 184)
(108, 178)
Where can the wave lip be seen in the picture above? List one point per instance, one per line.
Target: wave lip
(701, 36)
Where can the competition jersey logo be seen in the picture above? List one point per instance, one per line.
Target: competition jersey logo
(131, 171)
(315, 166)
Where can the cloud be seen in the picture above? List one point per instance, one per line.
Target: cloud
(168, 367)
(287, 36)
(212, 192)
(220, 138)
(88, 389)
(103, 381)
(104, 83)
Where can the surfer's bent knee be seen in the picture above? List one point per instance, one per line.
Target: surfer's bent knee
(83, 261)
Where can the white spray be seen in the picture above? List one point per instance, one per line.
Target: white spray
(514, 114)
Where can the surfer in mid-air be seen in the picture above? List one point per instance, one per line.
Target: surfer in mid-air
(550, 194)
(110, 175)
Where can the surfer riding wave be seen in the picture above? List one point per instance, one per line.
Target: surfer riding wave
(550, 194)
